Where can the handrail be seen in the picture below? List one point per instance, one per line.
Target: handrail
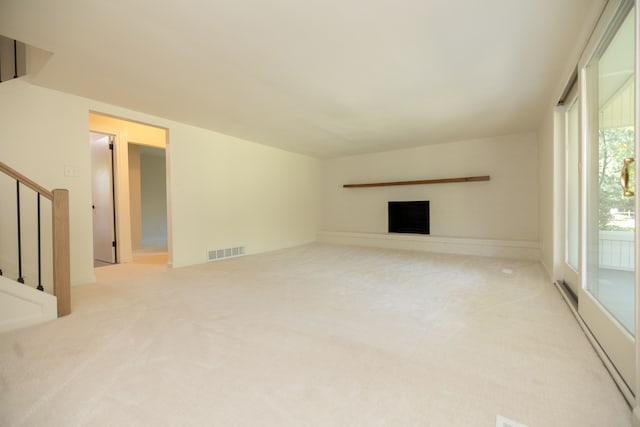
(60, 237)
(26, 181)
(14, 53)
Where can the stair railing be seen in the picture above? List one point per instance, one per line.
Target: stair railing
(60, 237)
(13, 53)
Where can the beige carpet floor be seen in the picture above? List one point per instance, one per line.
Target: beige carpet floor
(317, 335)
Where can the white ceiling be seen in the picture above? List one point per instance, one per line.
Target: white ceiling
(324, 78)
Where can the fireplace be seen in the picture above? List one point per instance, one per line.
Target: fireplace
(409, 217)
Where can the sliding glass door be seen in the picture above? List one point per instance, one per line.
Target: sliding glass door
(571, 265)
(607, 295)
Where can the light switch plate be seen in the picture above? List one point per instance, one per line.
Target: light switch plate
(70, 171)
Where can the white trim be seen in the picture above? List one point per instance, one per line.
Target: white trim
(636, 404)
(615, 375)
(612, 10)
(24, 306)
(451, 245)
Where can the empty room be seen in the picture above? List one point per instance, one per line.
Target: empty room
(339, 213)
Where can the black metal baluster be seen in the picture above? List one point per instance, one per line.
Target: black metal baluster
(40, 288)
(15, 59)
(20, 278)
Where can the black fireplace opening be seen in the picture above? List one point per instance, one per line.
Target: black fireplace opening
(409, 217)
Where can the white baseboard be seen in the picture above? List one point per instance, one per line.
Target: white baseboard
(451, 245)
(22, 306)
(608, 364)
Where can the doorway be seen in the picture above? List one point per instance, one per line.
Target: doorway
(103, 199)
(148, 198)
(128, 134)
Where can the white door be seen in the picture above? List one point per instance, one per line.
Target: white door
(104, 250)
(607, 295)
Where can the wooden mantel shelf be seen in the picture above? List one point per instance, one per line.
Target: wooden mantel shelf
(424, 181)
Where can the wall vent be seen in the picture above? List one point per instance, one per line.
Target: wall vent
(216, 254)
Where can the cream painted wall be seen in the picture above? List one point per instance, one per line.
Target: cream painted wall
(506, 207)
(548, 206)
(41, 133)
(226, 191)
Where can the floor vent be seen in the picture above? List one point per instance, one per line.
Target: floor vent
(506, 422)
(216, 254)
